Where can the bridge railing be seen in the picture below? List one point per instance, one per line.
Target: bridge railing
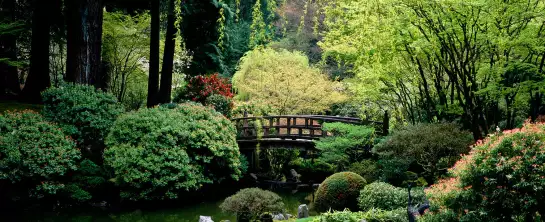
(307, 127)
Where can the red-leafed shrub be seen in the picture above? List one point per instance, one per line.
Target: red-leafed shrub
(339, 191)
(502, 179)
(199, 88)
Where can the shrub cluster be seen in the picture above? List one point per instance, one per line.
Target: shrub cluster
(313, 170)
(35, 154)
(156, 153)
(339, 191)
(348, 144)
(199, 88)
(374, 215)
(384, 196)
(427, 149)
(502, 179)
(368, 169)
(83, 112)
(222, 104)
(250, 203)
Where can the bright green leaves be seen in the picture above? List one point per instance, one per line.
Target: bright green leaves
(157, 153)
(286, 82)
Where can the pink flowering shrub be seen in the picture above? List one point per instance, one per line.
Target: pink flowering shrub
(502, 178)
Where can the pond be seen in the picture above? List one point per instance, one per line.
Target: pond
(168, 214)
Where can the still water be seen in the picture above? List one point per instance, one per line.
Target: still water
(169, 214)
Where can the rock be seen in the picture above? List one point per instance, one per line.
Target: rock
(288, 216)
(295, 176)
(302, 211)
(279, 217)
(205, 219)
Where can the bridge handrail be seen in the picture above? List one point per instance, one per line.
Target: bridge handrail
(311, 129)
(312, 117)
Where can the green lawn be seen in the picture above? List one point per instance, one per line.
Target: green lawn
(305, 219)
(12, 106)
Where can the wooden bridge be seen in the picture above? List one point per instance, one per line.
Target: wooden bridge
(292, 131)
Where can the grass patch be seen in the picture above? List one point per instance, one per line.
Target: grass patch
(306, 219)
(13, 106)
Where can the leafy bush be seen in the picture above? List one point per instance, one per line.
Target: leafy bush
(339, 191)
(431, 147)
(220, 103)
(368, 169)
(252, 202)
(503, 176)
(199, 88)
(313, 170)
(374, 215)
(349, 144)
(35, 155)
(82, 111)
(384, 196)
(90, 180)
(277, 161)
(156, 153)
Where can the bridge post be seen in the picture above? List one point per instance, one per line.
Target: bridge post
(245, 124)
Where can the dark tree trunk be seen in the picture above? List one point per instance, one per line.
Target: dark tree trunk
(38, 76)
(84, 42)
(168, 57)
(153, 81)
(9, 81)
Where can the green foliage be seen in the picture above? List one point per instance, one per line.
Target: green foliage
(89, 180)
(125, 44)
(35, 155)
(252, 202)
(502, 178)
(384, 196)
(220, 103)
(313, 170)
(368, 169)
(285, 81)
(349, 143)
(413, 60)
(156, 153)
(373, 215)
(276, 161)
(432, 147)
(82, 111)
(339, 191)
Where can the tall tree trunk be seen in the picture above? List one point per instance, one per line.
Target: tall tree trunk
(38, 76)
(168, 57)
(84, 42)
(9, 81)
(153, 81)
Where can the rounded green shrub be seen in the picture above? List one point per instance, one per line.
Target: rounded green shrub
(339, 191)
(84, 112)
(220, 103)
(156, 153)
(35, 155)
(250, 203)
(384, 196)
